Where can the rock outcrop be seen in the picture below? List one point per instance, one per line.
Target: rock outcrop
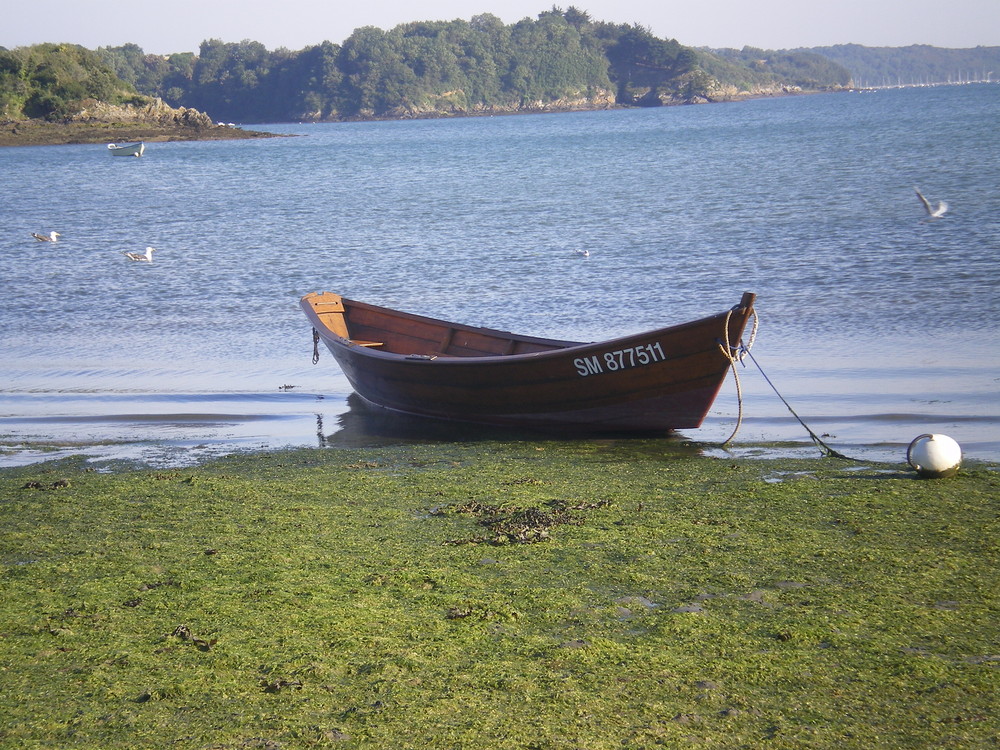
(155, 112)
(99, 122)
(454, 104)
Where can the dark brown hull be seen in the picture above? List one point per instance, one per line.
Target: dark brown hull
(659, 380)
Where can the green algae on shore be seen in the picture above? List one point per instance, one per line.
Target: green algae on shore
(355, 598)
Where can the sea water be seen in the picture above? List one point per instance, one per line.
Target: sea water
(876, 322)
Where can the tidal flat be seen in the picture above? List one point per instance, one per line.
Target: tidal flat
(42, 133)
(537, 594)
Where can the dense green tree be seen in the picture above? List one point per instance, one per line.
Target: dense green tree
(150, 74)
(51, 80)
(228, 78)
(578, 19)
(13, 88)
(305, 85)
(551, 60)
(643, 66)
(484, 52)
(366, 59)
(803, 69)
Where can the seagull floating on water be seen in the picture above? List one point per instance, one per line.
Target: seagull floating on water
(51, 237)
(584, 252)
(934, 213)
(146, 256)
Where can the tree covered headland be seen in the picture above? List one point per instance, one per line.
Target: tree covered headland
(48, 81)
(559, 60)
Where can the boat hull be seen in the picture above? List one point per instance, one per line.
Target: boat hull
(659, 380)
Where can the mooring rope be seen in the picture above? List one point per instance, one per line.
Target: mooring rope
(315, 346)
(826, 449)
(734, 355)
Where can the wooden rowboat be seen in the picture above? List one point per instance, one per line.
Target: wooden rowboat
(659, 380)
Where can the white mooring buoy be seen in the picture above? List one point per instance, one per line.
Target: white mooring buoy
(934, 456)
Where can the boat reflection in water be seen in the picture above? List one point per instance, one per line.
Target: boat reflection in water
(364, 425)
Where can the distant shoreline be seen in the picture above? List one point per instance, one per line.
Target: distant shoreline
(43, 133)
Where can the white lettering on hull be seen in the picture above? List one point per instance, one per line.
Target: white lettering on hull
(619, 359)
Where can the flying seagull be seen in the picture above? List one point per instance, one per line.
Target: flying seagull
(146, 256)
(52, 237)
(934, 213)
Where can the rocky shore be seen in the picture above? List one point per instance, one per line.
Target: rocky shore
(99, 122)
(454, 104)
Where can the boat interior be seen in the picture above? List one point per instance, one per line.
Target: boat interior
(407, 334)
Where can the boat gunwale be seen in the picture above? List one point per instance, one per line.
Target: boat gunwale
(562, 348)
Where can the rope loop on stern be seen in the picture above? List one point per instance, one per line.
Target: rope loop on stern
(736, 354)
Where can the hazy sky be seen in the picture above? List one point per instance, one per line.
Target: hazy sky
(181, 25)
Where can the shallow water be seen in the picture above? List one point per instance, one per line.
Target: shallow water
(876, 324)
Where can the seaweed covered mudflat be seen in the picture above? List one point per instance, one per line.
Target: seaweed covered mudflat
(551, 594)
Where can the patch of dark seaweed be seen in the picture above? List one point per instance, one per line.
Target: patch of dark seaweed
(517, 525)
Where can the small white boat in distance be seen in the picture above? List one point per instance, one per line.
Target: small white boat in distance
(127, 149)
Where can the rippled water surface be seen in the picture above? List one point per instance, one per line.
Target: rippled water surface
(876, 324)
